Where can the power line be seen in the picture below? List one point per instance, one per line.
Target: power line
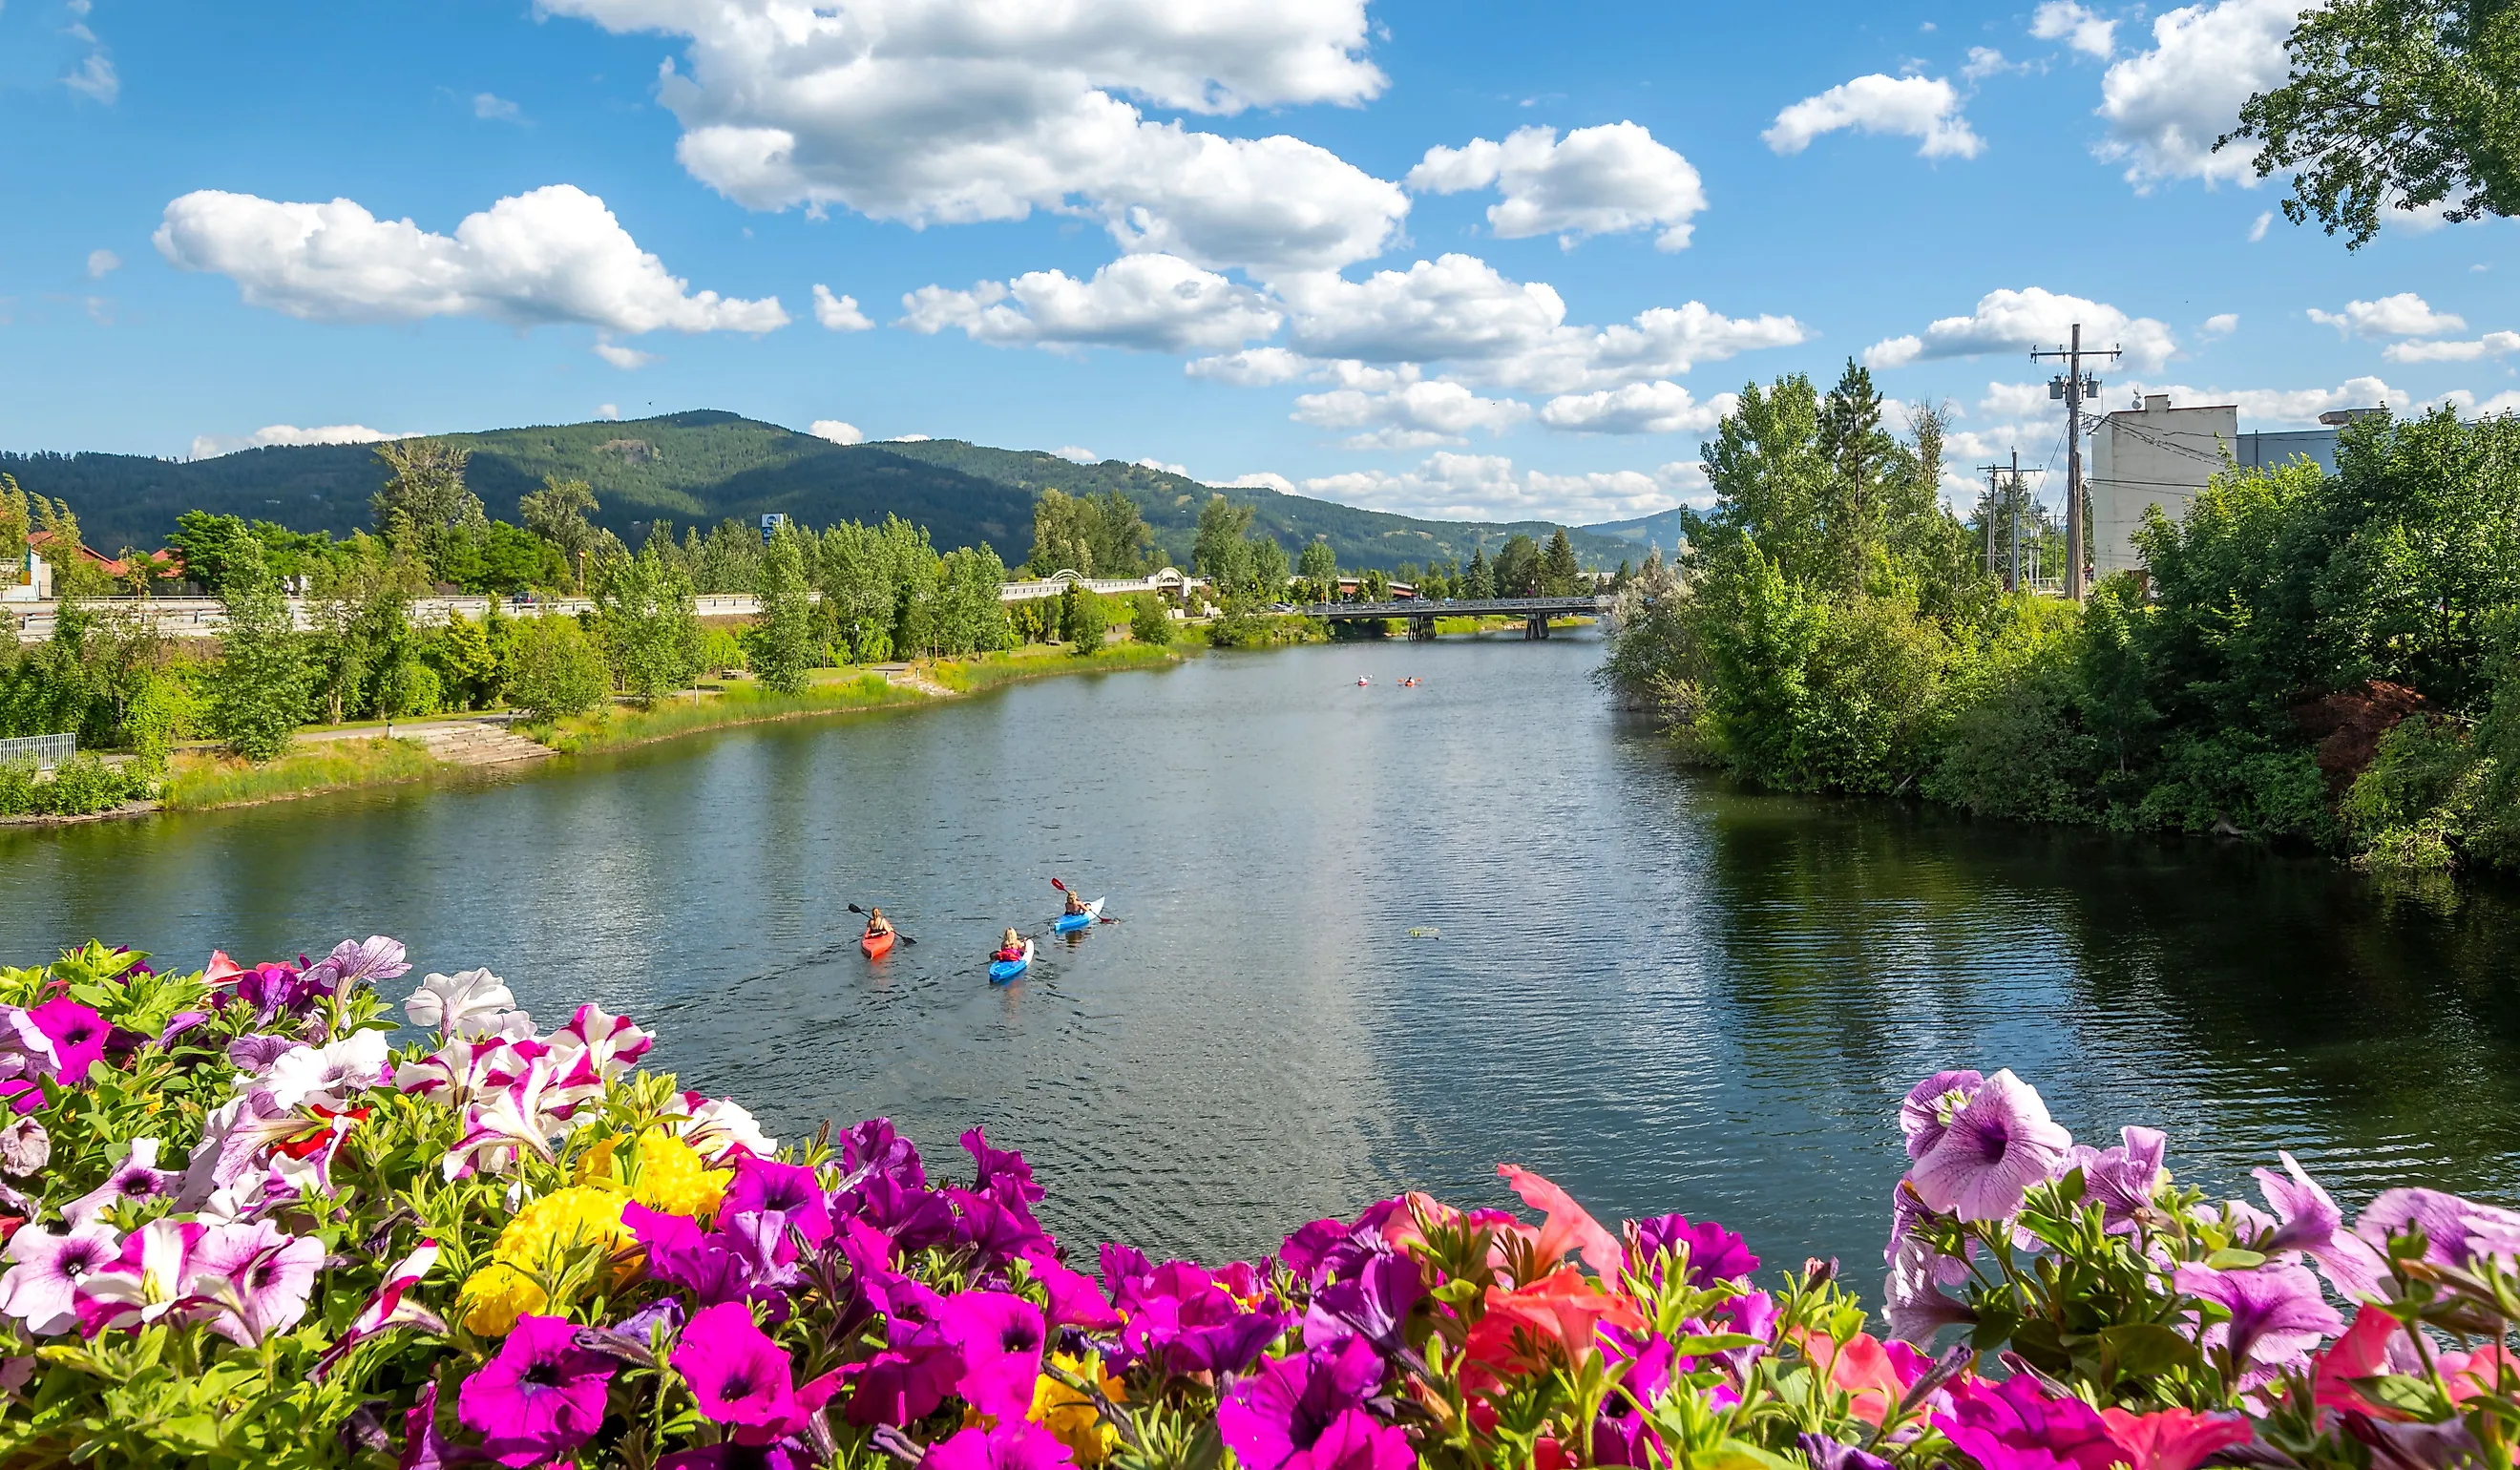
(2073, 384)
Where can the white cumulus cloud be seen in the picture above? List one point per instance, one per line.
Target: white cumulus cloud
(1926, 109)
(838, 313)
(1262, 481)
(839, 431)
(627, 359)
(2019, 320)
(1160, 303)
(1486, 487)
(1605, 180)
(2282, 406)
(554, 255)
(2165, 106)
(1252, 368)
(1497, 331)
(950, 112)
(2492, 344)
(1660, 407)
(2404, 314)
(102, 263)
(1410, 416)
(207, 446)
(2222, 323)
(2067, 22)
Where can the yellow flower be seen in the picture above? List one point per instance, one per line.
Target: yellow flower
(1070, 1416)
(670, 1176)
(495, 1295)
(561, 1221)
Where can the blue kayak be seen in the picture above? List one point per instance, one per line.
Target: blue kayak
(1003, 970)
(1069, 924)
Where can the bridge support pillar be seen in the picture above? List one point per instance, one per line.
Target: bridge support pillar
(1422, 630)
(1535, 625)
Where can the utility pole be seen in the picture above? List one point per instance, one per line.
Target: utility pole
(1994, 508)
(2015, 498)
(2073, 386)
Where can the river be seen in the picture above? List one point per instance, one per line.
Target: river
(1373, 938)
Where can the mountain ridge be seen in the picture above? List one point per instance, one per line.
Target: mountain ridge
(703, 466)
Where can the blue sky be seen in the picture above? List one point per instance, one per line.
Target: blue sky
(1314, 241)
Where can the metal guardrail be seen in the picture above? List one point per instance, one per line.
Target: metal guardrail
(198, 617)
(1433, 608)
(45, 750)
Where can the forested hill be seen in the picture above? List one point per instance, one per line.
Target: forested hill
(697, 468)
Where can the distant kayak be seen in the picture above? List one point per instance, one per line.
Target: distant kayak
(1003, 970)
(876, 946)
(1069, 922)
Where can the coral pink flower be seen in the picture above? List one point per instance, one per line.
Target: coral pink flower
(2175, 1439)
(1569, 1226)
(1563, 1312)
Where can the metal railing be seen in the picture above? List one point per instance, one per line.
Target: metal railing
(45, 750)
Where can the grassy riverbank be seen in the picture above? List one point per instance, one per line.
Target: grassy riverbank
(834, 691)
(988, 671)
(200, 780)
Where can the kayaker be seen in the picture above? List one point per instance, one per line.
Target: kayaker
(876, 923)
(1013, 949)
(1075, 903)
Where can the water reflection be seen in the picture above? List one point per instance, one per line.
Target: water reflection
(1372, 939)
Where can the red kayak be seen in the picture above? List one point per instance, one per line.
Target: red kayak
(876, 946)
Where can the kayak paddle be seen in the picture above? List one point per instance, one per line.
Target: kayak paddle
(1099, 918)
(897, 934)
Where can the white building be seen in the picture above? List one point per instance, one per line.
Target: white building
(27, 579)
(2162, 456)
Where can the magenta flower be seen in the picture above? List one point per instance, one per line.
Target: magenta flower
(1998, 1146)
(1001, 1171)
(760, 1185)
(1000, 1338)
(2122, 1179)
(1926, 1111)
(904, 1382)
(613, 1044)
(2456, 1231)
(40, 1290)
(776, 1455)
(540, 1397)
(997, 1229)
(422, 1446)
(1019, 1445)
(873, 1147)
(1076, 1299)
(2277, 1314)
(136, 1179)
(1283, 1411)
(1714, 1252)
(77, 1036)
(259, 1275)
(1374, 1304)
(2014, 1426)
(738, 1375)
(150, 1279)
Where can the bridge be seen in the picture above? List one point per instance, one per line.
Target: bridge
(1535, 612)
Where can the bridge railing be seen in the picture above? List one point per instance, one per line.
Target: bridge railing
(1437, 608)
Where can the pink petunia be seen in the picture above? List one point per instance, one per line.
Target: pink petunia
(1000, 1338)
(1998, 1145)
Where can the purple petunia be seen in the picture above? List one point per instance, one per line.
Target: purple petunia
(136, 1179)
(760, 1185)
(541, 1397)
(1714, 1252)
(40, 1289)
(1001, 1171)
(1996, 1146)
(2310, 1220)
(1372, 1303)
(353, 962)
(261, 1275)
(2277, 1314)
(2456, 1231)
(1826, 1454)
(1926, 1111)
(2122, 1179)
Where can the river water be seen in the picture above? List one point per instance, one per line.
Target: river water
(1373, 938)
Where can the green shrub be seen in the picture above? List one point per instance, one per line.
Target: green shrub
(722, 652)
(410, 689)
(2239, 781)
(555, 669)
(2017, 754)
(80, 785)
(1150, 622)
(2415, 805)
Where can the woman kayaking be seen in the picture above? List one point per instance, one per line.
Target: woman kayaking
(876, 924)
(1012, 950)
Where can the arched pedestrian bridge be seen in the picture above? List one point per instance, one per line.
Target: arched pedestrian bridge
(1420, 614)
